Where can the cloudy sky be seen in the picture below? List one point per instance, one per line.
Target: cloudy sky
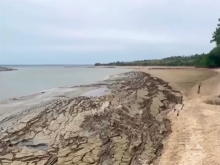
(89, 31)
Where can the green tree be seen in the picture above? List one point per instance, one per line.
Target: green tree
(216, 35)
(98, 64)
(202, 61)
(214, 57)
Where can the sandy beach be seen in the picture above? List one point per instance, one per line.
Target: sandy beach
(109, 82)
(147, 116)
(195, 129)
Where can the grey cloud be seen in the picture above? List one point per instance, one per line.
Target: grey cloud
(154, 28)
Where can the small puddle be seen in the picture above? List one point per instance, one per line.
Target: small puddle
(30, 144)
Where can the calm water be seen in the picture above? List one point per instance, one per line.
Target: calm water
(29, 79)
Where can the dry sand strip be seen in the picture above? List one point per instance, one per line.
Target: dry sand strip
(195, 137)
(125, 127)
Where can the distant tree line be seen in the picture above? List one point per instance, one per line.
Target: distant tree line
(210, 60)
(170, 61)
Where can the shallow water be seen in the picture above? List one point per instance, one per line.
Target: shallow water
(96, 93)
(29, 79)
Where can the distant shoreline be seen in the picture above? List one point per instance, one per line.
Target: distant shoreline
(2, 69)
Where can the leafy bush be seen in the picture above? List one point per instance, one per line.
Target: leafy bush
(202, 62)
(98, 64)
(211, 60)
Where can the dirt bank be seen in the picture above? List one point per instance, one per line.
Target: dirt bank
(126, 126)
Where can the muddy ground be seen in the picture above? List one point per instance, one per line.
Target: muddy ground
(126, 126)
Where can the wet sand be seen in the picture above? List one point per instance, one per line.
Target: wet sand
(39, 99)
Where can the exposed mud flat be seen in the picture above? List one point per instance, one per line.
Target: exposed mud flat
(126, 125)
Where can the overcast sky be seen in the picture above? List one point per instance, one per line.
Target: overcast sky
(89, 31)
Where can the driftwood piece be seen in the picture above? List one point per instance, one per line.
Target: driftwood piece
(199, 87)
